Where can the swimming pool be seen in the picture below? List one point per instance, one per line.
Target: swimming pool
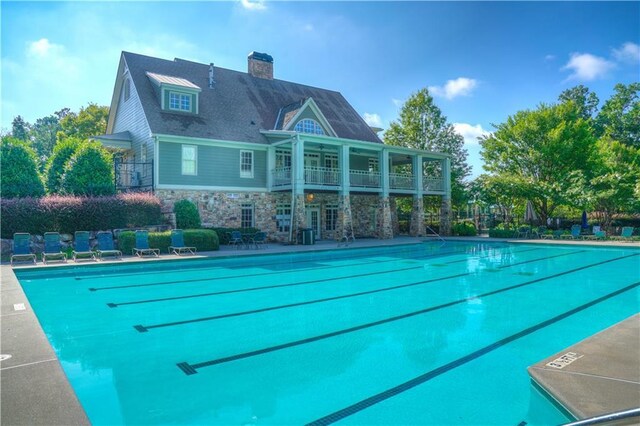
(414, 334)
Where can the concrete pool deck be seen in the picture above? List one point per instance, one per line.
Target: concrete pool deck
(34, 389)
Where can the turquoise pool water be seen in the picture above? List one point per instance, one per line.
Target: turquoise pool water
(416, 334)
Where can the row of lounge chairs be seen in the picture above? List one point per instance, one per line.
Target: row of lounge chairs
(238, 239)
(82, 248)
(597, 234)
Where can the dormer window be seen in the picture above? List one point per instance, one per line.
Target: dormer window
(179, 101)
(309, 126)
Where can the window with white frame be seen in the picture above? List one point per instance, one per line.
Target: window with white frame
(189, 160)
(283, 217)
(283, 159)
(330, 218)
(331, 161)
(309, 126)
(246, 164)
(180, 101)
(246, 216)
(374, 165)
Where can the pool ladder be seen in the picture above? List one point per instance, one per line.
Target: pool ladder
(428, 228)
(611, 418)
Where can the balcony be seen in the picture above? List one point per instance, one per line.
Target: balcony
(432, 184)
(323, 176)
(364, 179)
(401, 181)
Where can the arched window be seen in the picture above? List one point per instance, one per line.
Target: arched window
(127, 89)
(309, 126)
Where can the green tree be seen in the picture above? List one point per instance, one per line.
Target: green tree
(540, 151)
(90, 121)
(89, 171)
(54, 170)
(43, 136)
(423, 126)
(187, 215)
(20, 129)
(19, 170)
(619, 118)
(586, 101)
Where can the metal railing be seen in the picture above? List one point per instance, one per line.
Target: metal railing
(364, 179)
(282, 176)
(401, 181)
(617, 417)
(432, 184)
(322, 176)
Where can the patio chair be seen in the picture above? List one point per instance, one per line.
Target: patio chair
(523, 232)
(22, 247)
(52, 248)
(260, 238)
(539, 232)
(177, 243)
(600, 235)
(236, 239)
(82, 247)
(574, 235)
(106, 246)
(142, 245)
(625, 234)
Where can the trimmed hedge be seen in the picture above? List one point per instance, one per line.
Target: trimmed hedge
(201, 239)
(464, 229)
(223, 233)
(503, 233)
(187, 216)
(67, 214)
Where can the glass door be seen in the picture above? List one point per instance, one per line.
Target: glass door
(313, 220)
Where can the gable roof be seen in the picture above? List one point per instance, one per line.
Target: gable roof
(239, 105)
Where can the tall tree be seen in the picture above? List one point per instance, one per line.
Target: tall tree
(586, 101)
(19, 170)
(619, 117)
(43, 136)
(20, 128)
(423, 126)
(62, 152)
(540, 150)
(90, 121)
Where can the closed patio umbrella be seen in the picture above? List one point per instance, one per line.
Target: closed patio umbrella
(530, 214)
(585, 224)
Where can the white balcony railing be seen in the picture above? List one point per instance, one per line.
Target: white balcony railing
(282, 176)
(364, 179)
(401, 181)
(432, 184)
(321, 176)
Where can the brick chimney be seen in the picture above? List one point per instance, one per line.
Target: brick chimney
(260, 65)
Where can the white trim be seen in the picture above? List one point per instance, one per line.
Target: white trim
(180, 95)
(243, 174)
(212, 188)
(210, 142)
(195, 172)
(311, 104)
(156, 162)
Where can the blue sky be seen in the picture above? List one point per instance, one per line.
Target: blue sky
(482, 61)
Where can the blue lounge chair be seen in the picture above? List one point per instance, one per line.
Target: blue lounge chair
(177, 243)
(625, 234)
(142, 245)
(236, 239)
(52, 248)
(260, 238)
(82, 247)
(106, 246)
(22, 248)
(600, 235)
(523, 232)
(575, 233)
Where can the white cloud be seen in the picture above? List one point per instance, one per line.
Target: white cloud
(549, 58)
(372, 120)
(469, 132)
(43, 47)
(461, 86)
(587, 67)
(628, 52)
(253, 4)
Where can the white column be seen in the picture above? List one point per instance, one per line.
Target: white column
(345, 168)
(271, 164)
(446, 175)
(384, 172)
(297, 165)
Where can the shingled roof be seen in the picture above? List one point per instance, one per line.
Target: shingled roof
(239, 105)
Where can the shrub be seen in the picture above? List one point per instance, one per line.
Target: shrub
(89, 171)
(464, 228)
(67, 214)
(223, 233)
(187, 216)
(19, 170)
(502, 233)
(62, 152)
(201, 239)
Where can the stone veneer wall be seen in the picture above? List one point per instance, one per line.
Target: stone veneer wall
(364, 209)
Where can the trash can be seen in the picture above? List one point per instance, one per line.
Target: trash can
(307, 237)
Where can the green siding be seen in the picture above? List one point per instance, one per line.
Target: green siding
(359, 162)
(217, 166)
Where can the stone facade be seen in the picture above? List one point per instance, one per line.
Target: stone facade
(416, 228)
(445, 217)
(385, 225)
(395, 223)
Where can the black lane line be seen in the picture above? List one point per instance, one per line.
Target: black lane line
(416, 381)
(216, 293)
(328, 258)
(443, 254)
(541, 258)
(142, 328)
(191, 368)
(481, 257)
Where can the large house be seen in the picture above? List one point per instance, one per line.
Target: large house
(254, 151)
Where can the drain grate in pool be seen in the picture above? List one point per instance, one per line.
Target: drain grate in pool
(528, 274)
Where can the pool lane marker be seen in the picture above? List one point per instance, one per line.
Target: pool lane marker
(188, 368)
(429, 256)
(416, 381)
(143, 329)
(164, 299)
